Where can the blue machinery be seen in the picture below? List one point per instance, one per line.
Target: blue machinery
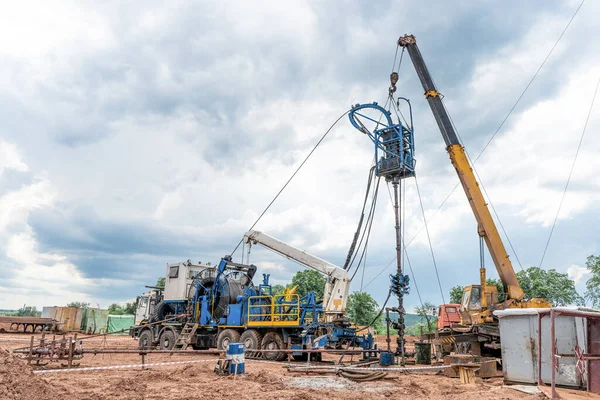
(394, 160)
(226, 307)
(394, 143)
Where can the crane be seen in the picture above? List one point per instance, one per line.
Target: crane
(478, 301)
(335, 295)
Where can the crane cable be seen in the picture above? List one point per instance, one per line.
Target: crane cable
(368, 235)
(570, 172)
(360, 221)
(292, 177)
(405, 252)
(480, 182)
(369, 219)
(347, 265)
(367, 231)
(437, 274)
(531, 81)
(490, 140)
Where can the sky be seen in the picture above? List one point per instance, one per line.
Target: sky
(138, 134)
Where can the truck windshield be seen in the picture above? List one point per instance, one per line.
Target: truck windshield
(475, 303)
(143, 302)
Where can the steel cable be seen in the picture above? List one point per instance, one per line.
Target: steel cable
(490, 140)
(570, 172)
(292, 177)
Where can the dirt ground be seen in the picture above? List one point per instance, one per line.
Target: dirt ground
(198, 381)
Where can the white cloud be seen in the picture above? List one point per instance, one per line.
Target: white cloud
(576, 273)
(271, 266)
(194, 116)
(10, 158)
(169, 201)
(15, 206)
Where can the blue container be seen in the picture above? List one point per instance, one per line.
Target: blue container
(235, 348)
(386, 358)
(235, 354)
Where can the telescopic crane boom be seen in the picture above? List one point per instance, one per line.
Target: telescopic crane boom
(338, 282)
(485, 224)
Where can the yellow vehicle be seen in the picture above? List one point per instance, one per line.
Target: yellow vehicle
(478, 300)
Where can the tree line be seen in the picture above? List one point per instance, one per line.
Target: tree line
(551, 285)
(363, 310)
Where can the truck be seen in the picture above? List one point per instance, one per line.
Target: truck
(447, 315)
(209, 306)
(478, 328)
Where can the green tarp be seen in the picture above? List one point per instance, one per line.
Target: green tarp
(94, 320)
(120, 322)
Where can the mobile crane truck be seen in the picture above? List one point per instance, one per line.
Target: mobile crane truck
(478, 328)
(206, 306)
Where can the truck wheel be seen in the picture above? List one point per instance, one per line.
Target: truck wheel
(145, 340)
(252, 340)
(273, 341)
(226, 337)
(167, 339)
(161, 311)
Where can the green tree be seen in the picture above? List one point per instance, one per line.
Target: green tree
(551, 285)
(428, 320)
(361, 308)
(130, 308)
(28, 311)
(456, 294)
(309, 281)
(499, 286)
(78, 304)
(160, 283)
(115, 309)
(592, 286)
(277, 289)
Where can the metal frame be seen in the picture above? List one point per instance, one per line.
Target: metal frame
(555, 356)
(389, 162)
(279, 311)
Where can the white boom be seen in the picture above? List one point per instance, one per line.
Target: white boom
(338, 283)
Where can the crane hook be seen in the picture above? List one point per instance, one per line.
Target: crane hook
(393, 81)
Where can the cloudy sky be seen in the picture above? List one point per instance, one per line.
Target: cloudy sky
(134, 135)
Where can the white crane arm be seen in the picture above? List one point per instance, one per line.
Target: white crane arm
(338, 282)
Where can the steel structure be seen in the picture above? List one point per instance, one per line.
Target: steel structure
(586, 362)
(207, 306)
(335, 295)
(394, 160)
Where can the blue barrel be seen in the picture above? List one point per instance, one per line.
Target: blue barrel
(386, 358)
(235, 354)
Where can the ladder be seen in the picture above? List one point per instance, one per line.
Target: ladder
(186, 335)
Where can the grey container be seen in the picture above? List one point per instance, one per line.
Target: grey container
(519, 333)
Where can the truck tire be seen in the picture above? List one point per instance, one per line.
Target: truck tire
(167, 339)
(227, 336)
(145, 340)
(273, 341)
(160, 312)
(252, 340)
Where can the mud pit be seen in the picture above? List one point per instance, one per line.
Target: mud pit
(198, 381)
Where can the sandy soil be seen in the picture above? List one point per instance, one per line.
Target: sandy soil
(198, 381)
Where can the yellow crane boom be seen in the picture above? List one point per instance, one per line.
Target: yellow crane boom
(478, 300)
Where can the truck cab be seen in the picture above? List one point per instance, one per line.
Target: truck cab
(475, 304)
(145, 306)
(448, 314)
